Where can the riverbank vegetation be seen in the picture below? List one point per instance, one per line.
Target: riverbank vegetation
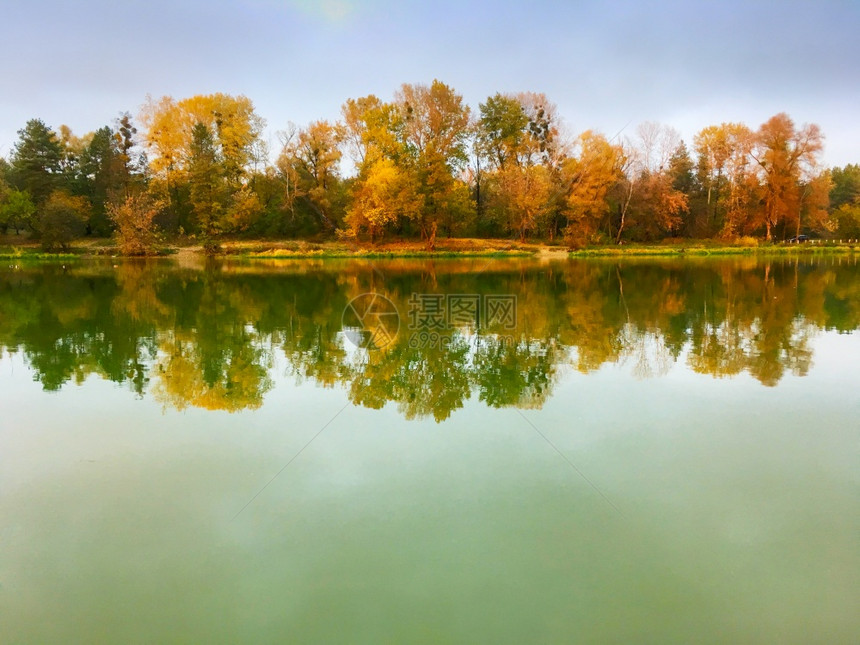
(421, 167)
(23, 249)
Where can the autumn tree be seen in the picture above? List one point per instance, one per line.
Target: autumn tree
(744, 188)
(206, 181)
(243, 209)
(232, 122)
(424, 134)
(814, 212)
(374, 136)
(681, 172)
(518, 137)
(588, 178)
(233, 134)
(786, 157)
(309, 162)
(134, 220)
(500, 136)
(722, 151)
(373, 129)
(648, 204)
(435, 131)
(385, 195)
(523, 194)
(656, 208)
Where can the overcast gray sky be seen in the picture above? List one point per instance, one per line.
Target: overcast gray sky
(605, 64)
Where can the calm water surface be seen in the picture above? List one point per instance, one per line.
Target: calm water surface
(479, 451)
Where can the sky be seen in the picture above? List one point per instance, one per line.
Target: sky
(608, 65)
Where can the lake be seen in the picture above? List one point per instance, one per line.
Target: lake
(469, 451)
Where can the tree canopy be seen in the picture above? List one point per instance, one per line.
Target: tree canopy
(423, 164)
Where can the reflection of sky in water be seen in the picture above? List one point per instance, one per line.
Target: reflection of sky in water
(739, 512)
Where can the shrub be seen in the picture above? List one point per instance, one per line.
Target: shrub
(63, 219)
(16, 210)
(211, 246)
(135, 227)
(746, 240)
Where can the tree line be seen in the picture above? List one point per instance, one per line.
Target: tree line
(420, 165)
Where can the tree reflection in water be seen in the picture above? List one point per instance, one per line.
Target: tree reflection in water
(208, 337)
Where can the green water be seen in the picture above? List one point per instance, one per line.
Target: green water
(633, 452)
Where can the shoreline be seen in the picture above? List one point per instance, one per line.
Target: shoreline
(445, 248)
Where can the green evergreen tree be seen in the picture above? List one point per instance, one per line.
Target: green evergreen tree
(36, 163)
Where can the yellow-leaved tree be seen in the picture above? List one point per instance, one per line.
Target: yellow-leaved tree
(518, 136)
(588, 177)
(523, 194)
(173, 133)
(385, 195)
(310, 165)
(436, 126)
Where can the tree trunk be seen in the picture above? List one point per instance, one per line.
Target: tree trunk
(624, 214)
(431, 238)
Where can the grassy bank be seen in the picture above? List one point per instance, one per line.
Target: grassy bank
(716, 250)
(14, 254)
(374, 255)
(295, 249)
(445, 248)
